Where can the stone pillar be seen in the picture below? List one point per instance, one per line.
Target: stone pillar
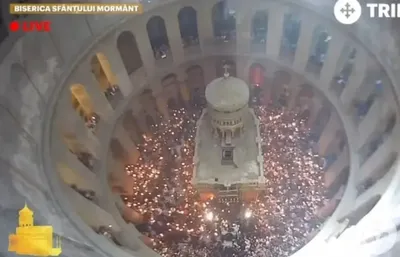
(334, 170)
(140, 117)
(127, 143)
(71, 170)
(183, 87)
(144, 47)
(243, 35)
(210, 71)
(304, 44)
(174, 35)
(204, 24)
(294, 90)
(117, 67)
(100, 103)
(332, 57)
(73, 123)
(329, 134)
(162, 106)
(374, 121)
(275, 30)
(315, 107)
(356, 78)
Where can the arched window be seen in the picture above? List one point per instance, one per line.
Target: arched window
(187, 17)
(319, 48)
(257, 81)
(224, 21)
(158, 37)
(342, 76)
(83, 104)
(129, 51)
(290, 37)
(259, 29)
(106, 78)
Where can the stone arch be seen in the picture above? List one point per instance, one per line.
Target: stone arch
(187, 18)
(355, 216)
(117, 150)
(306, 92)
(281, 78)
(224, 23)
(129, 51)
(169, 79)
(195, 76)
(259, 27)
(231, 67)
(257, 74)
(157, 33)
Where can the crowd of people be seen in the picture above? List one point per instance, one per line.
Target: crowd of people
(278, 223)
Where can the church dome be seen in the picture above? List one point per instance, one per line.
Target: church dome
(227, 94)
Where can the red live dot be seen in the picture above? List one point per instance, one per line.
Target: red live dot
(14, 26)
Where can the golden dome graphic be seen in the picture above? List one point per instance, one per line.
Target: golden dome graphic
(25, 211)
(33, 240)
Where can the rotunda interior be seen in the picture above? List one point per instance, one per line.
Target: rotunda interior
(100, 128)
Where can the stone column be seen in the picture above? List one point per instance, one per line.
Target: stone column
(315, 108)
(275, 30)
(374, 121)
(174, 35)
(127, 143)
(73, 123)
(334, 170)
(329, 134)
(243, 35)
(72, 171)
(204, 24)
(356, 78)
(117, 67)
(304, 44)
(162, 106)
(210, 71)
(144, 47)
(332, 57)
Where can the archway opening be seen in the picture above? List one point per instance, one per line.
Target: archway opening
(259, 30)
(187, 17)
(106, 78)
(83, 104)
(129, 52)
(158, 37)
(224, 22)
(319, 49)
(290, 37)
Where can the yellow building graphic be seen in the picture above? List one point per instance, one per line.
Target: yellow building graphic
(33, 240)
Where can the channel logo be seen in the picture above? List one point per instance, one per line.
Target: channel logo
(347, 11)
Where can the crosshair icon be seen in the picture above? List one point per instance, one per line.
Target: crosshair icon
(348, 11)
